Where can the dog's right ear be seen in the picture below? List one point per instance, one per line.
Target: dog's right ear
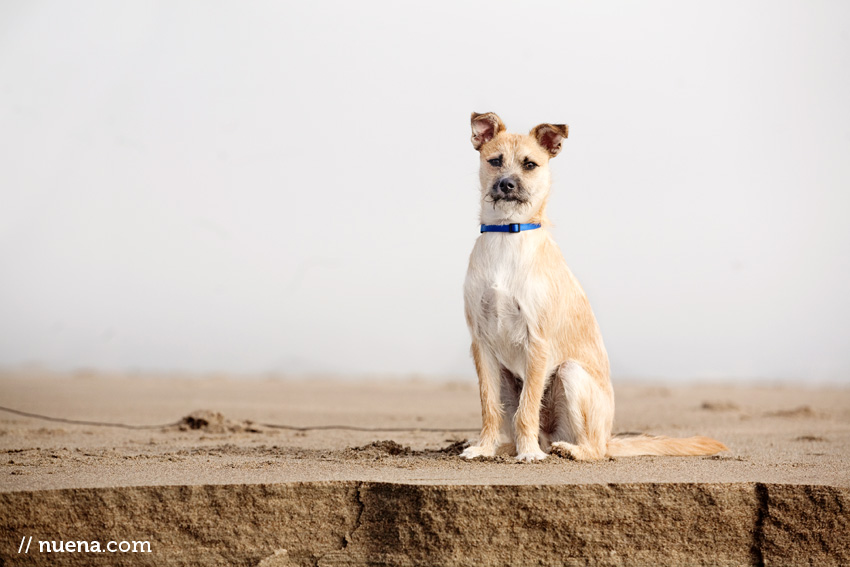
(485, 127)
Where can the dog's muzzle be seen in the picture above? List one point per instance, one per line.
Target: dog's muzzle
(507, 189)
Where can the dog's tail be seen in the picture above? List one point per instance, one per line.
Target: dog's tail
(634, 445)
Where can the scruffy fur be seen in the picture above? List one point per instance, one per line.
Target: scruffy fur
(542, 368)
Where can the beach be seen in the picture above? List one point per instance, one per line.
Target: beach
(174, 457)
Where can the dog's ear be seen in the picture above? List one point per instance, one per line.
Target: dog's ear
(485, 127)
(549, 136)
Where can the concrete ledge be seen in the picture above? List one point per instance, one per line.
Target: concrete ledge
(365, 523)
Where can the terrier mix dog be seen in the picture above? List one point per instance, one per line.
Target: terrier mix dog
(542, 368)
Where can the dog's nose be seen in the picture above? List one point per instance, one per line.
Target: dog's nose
(507, 184)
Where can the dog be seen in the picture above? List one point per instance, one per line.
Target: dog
(543, 371)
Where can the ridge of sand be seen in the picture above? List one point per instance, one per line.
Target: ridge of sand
(366, 523)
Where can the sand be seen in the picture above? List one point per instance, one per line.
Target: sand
(214, 482)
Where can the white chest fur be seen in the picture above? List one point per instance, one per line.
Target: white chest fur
(504, 294)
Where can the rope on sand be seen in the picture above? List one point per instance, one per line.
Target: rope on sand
(269, 425)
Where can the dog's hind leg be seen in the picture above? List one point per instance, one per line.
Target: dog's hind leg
(584, 413)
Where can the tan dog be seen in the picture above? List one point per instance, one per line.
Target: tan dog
(542, 368)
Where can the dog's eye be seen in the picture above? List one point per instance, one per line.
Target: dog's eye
(529, 165)
(495, 162)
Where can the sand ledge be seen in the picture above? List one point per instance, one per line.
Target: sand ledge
(366, 523)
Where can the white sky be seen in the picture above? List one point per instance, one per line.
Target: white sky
(290, 187)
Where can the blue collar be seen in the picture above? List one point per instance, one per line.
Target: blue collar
(515, 227)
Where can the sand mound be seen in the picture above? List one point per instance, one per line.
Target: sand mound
(215, 422)
(379, 449)
(387, 448)
(802, 411)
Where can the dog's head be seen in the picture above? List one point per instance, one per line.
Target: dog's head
(514, 170)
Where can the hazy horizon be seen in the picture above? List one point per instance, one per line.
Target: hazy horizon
(272, 188)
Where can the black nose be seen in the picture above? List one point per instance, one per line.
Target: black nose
(507, 185)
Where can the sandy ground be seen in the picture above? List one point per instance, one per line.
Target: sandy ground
(776, 434)
(208, 480)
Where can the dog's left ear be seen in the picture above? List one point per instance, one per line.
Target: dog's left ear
(549, 136)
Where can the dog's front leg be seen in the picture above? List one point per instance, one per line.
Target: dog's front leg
(489, 384)
(527, 418)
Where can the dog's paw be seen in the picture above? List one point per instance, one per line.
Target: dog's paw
(478, 451)
(531, 456)
(567, 450)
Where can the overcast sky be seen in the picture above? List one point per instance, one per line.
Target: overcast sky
(289, 187)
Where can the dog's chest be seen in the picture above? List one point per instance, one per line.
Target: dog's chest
(503, 294)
